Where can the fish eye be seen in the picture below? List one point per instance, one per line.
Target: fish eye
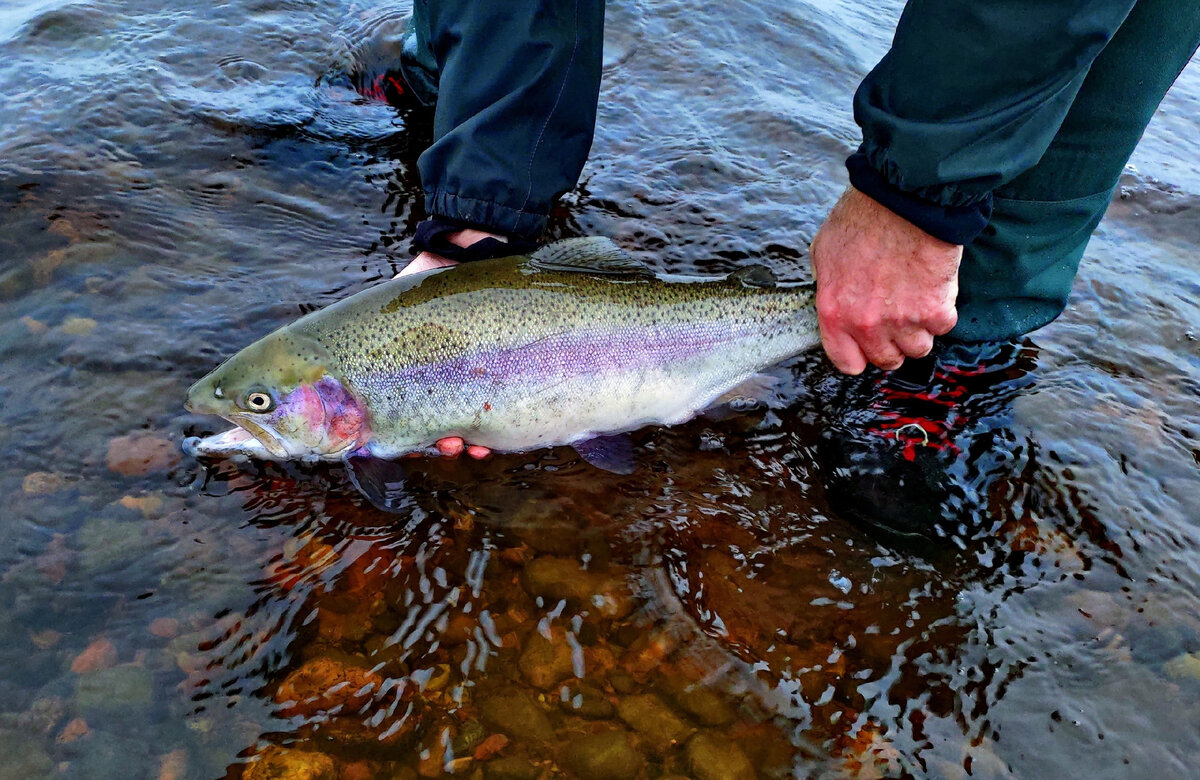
(258, 401)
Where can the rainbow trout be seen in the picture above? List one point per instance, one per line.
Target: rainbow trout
(568, 346)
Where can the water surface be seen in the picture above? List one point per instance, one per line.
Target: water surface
(177, 179)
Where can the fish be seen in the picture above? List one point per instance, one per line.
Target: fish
(575, 344)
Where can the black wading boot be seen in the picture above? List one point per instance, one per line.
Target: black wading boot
(914, 450)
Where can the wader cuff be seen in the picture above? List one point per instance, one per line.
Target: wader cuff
(952, 224)
(432, 237)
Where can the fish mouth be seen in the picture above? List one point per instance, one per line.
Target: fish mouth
(265, 436)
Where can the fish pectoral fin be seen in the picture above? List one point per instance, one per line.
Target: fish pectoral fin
(594, 254)
(610, 453)
(382, 482)
(746, 395)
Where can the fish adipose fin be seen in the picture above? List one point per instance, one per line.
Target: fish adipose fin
(610, 453)
(755, 276)
(594, 255)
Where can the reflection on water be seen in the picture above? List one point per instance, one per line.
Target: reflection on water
(179, 179)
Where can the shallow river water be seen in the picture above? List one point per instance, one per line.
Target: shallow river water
(179, 178)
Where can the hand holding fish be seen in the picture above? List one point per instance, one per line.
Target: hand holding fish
(885, 288)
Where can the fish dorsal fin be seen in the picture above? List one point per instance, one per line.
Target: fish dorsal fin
(754, 276)
(594, 254)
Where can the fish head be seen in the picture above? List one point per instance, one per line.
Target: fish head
(283, 392)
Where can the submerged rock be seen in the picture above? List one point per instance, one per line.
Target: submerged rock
(556, 579)
(604, 756)
(587, 702)
(139, 454)
(40, 483)
(322, 684)
(100, 654)
(545, 662)
(1185, 666)
(276, 763)
(715, 758)
(21, 758)
(112, 690)
(653, 721)
(511, 768)
(517, 715)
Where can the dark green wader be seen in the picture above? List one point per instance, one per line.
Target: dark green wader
(1017, 274)
(515, 86)
(1039, 104)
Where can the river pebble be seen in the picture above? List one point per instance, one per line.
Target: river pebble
(276, 763)
(607, 755)
(139, 454)
(517, 715)
(654, 722)
(545, 662)
(711, 757)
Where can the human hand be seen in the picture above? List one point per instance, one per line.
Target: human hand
(885, 287)
(451, 446)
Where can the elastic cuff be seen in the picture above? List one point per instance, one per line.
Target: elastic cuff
(431, 237)
(952, 224)
(486, 215)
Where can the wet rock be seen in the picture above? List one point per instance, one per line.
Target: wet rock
(40, 483)
(78, 326)
(715, 758)
(622, 681)
(1098, 607)
(653, 721)
(604, 756)
(106, 542)
(54, 561)
(35, 327)
(517, 715)
(43, 715)
(511, 768)
(276, 763)
(21, 758)
(700, 701)
(471, 734)
(587, 702)
(359, 770)
(100, 654)
(173, 765)
(139, 454)
(556, 579)
(1182, 667)
(647, 653)
(545, 662)
(113, 690)
(164, 627)
(489, 747)
(44, 640)
(149, 506)
(323, 684)
(75, 730)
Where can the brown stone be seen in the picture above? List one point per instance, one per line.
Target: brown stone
(100, 654)
(324, 683)
(545, 662)
(164, 627)
(276, 763)
(138, 454)
(76, 729)
(39, 483)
